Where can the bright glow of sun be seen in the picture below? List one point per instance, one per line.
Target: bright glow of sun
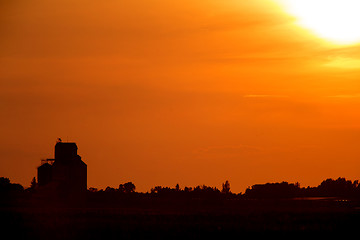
(335, 20)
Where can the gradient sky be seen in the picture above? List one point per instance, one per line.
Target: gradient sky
(162, 92)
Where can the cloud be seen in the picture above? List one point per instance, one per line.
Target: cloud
(264, 96)
(345, 96)
(344, 62)
(228, 148)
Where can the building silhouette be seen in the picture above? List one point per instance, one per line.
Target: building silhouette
(66, 174)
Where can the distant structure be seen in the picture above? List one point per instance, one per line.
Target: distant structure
(66, 174)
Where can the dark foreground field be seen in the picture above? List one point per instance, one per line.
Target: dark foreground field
(195, 219)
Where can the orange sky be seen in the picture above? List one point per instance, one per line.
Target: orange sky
(162, 92)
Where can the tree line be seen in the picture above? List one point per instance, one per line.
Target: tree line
(340, 187)
(328, 188)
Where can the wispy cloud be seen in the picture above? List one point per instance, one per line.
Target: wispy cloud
(345, 96)
(344, 62)
(227, 148)
(264, 96)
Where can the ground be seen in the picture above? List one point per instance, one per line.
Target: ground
(193, 219)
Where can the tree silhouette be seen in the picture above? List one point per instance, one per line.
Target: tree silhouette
(33, 184)
(92, 189)
(7, 186)
(109, 189)
(274, 190)
(337, 188)
(121, 188)
(156, 189)
(4, 182)
(226, 187)
(129, 187)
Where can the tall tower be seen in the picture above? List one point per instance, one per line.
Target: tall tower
(66, 174)
(68, 169)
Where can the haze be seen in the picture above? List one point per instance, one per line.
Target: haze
(162, 92)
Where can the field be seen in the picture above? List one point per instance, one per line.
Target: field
(195, 219)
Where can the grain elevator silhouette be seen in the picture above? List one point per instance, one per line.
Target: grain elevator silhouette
(66, 174)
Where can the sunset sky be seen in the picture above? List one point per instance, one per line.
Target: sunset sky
(193, 92)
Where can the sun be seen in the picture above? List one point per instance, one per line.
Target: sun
(337, 21)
